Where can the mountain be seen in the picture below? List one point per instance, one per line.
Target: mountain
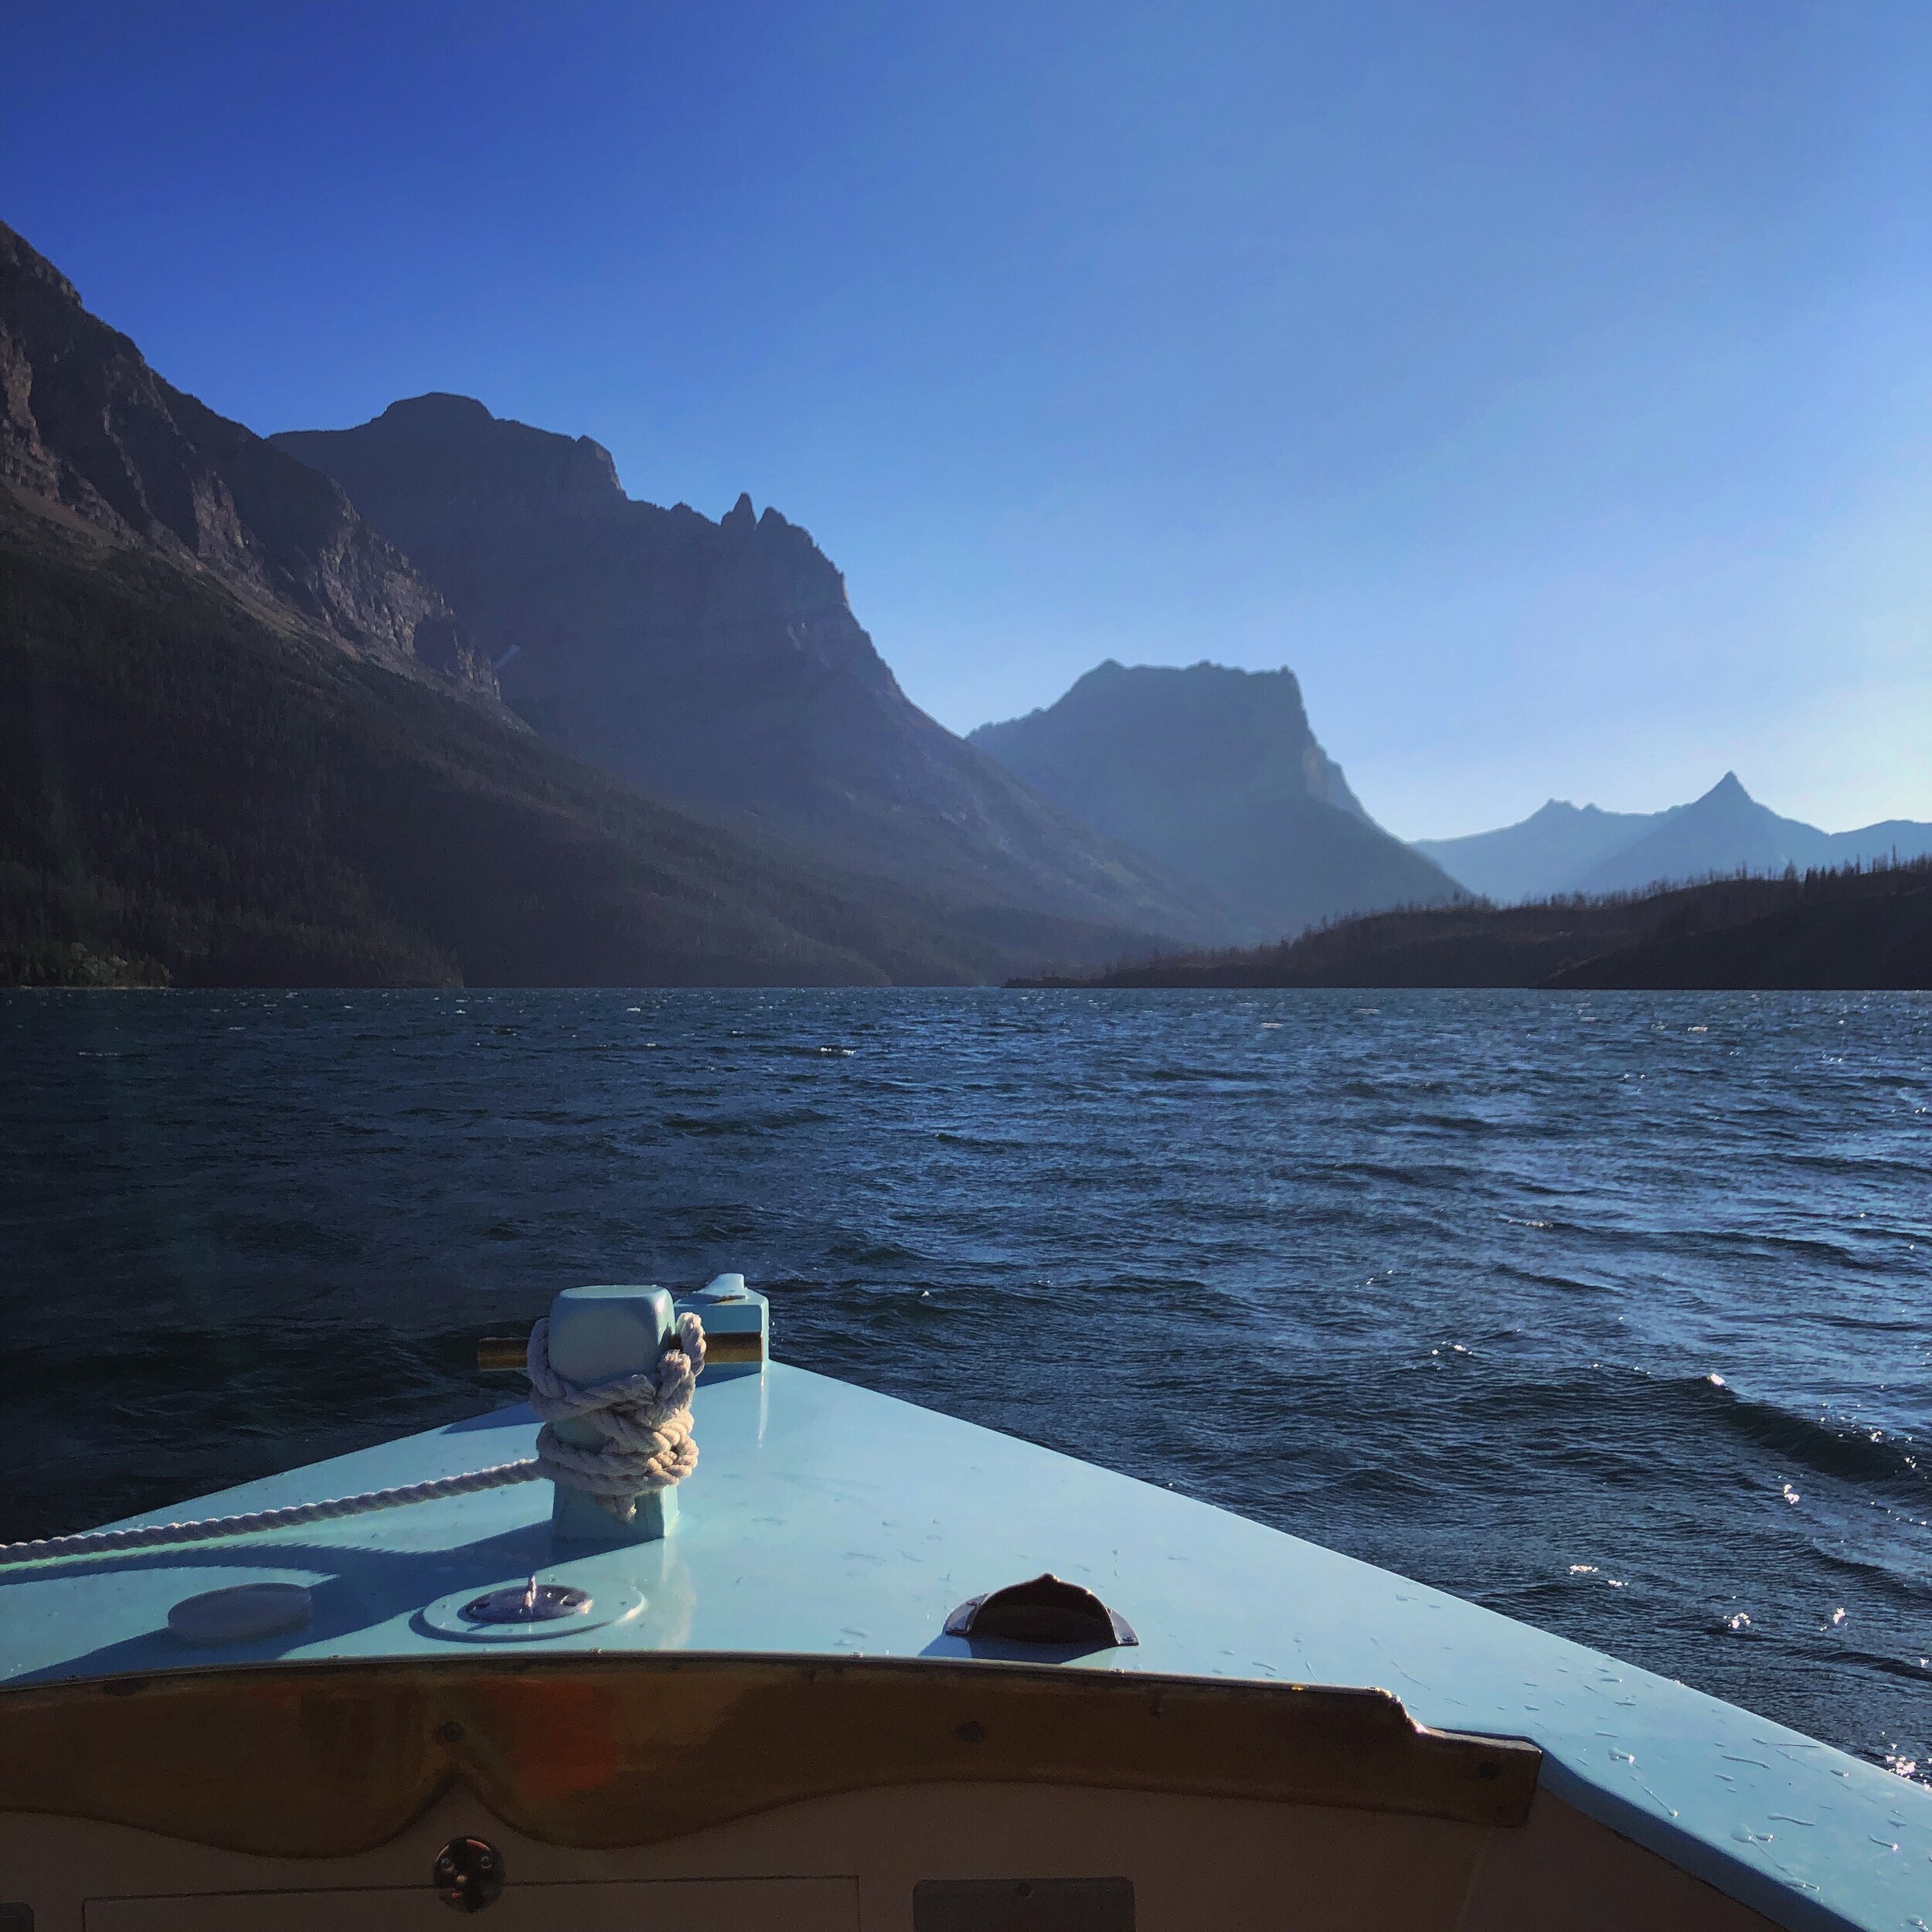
(1546, 853)
(190, 794)
(1563, 849)
(1216, 773)
(718, 663)
(1891, 841)
(1726, 831)
(245, 741)
(87, 428)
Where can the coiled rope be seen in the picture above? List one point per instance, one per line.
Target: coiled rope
(645, 1421)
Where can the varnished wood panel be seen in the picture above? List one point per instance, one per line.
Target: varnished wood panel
(324, 1759)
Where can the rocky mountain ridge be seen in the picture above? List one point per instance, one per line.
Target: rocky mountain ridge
(719, 664)
(89, 432)
(227, 757)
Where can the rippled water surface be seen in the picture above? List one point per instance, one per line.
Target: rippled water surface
(1609, 1311)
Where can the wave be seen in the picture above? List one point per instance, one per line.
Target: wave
(1842, 1449)
(871, 1251)
(1213, 1076)
(1620, 1417)
(775, 1121)
(1874, 1574)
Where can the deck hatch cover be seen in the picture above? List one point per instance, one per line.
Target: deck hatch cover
(1044, 1610)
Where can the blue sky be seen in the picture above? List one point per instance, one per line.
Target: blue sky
(1549, 384)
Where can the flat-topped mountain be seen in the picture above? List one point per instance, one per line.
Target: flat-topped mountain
(88, 429)
(1217, 774)
(1562, 848)
(717, 662)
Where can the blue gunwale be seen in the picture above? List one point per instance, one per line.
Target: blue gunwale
(827, 1519)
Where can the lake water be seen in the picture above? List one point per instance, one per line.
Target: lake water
(1613, 1312)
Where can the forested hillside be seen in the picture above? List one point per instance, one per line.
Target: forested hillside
(1849, 927)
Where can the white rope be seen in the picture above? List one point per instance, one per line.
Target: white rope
(153, 1535)
(645, 1421)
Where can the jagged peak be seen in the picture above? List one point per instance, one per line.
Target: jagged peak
(1729, 789)
(28, 260)
(741, 516)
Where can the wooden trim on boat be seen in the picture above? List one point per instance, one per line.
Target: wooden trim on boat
(322, 1759)
(726, 1346)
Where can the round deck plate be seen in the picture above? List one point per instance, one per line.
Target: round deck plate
(242, 1614)
(611, 1603)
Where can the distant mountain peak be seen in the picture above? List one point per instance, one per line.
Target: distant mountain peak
(1547, 852)
(1725, 830)
(1562, 848)
(741, 516)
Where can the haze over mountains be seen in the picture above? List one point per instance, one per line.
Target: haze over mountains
(1216, 772)
(1562, 848)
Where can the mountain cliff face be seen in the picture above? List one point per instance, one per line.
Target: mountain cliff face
(719, 663)
(1216, 773)
(88, 429)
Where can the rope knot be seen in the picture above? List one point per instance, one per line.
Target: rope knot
(644, 1419)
